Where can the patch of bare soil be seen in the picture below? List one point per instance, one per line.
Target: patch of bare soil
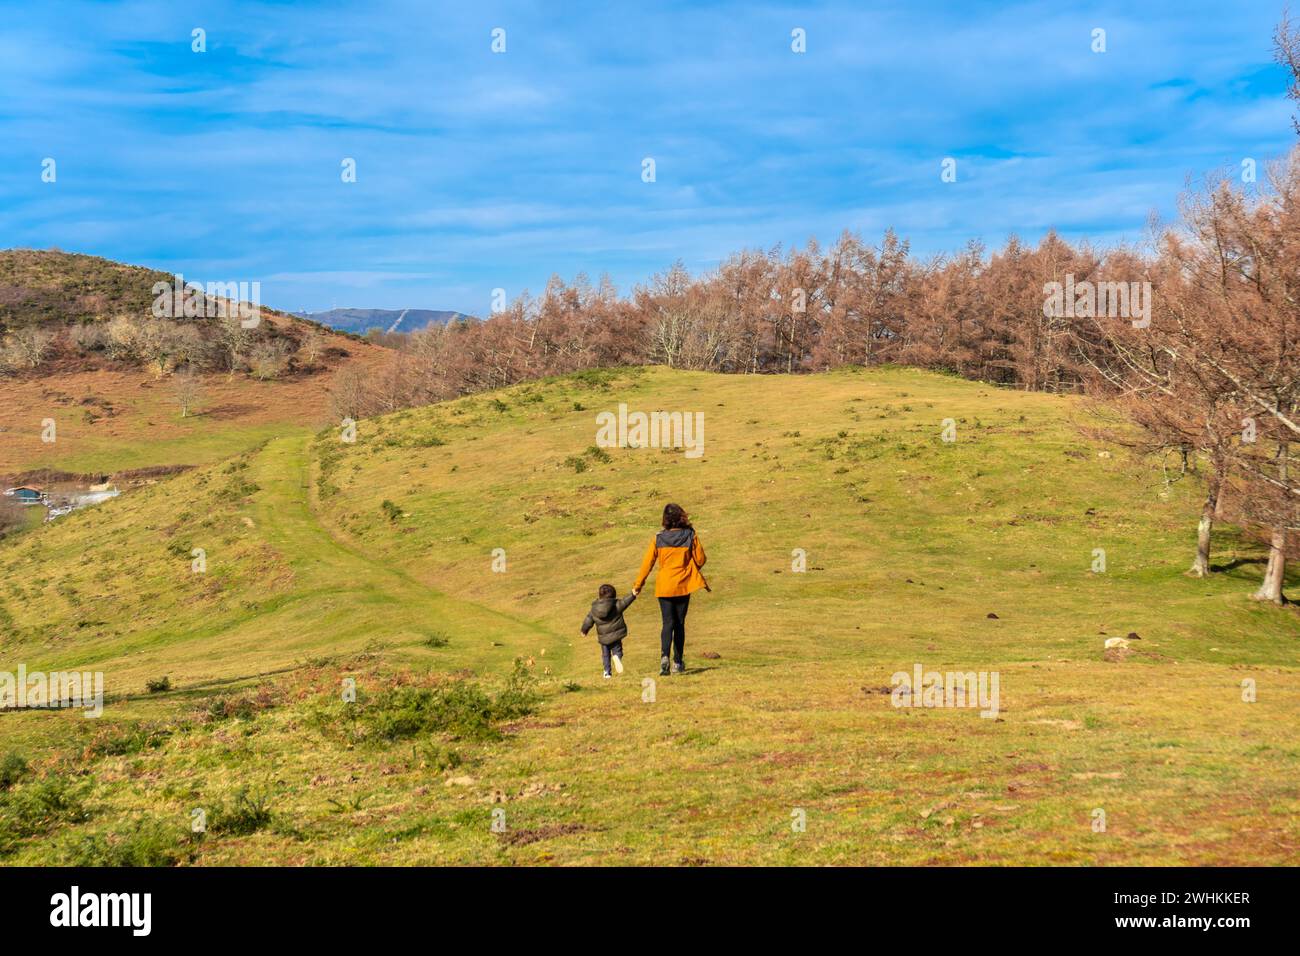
(549, 832)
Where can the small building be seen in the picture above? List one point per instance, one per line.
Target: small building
(26, 495)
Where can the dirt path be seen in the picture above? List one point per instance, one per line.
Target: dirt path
(355, 597)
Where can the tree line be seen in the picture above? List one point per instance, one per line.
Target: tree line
(1195, 339)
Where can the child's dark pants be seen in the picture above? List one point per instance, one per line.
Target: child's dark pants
(673, 635)
(610, 650)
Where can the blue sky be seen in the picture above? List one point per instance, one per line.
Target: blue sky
(478, 170)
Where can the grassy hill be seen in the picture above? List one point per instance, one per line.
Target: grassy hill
(372, 561)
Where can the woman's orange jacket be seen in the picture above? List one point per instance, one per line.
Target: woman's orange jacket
(680, 556)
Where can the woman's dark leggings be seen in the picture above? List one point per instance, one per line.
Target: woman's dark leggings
(673, 635)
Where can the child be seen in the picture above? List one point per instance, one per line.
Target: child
(607, 615)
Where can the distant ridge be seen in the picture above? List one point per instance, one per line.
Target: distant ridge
(361, 321)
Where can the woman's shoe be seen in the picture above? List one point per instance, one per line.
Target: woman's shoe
(663, 667)
(679, 667)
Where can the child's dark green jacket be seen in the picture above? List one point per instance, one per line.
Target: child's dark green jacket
(607, 615)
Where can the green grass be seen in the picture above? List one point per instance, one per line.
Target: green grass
(199, 442)
(373, 563)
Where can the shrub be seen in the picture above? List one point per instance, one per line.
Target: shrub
(158, 685)
(442, 758)
(148, 842)
(461, 709)
(601, 377)
(391, 510)
(12, 518)
(12, 768)
(133, 740)
(38, 807)
(245, 707)
(576, 463)
(236, 491)
(248, 812)
(352, 804)
(225, 708)
(519, 698)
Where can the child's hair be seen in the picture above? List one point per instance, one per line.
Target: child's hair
(607, 591)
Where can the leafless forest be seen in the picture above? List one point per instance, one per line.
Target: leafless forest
(1193, 339)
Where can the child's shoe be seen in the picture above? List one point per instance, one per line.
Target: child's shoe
(618, 664)
(606, 675)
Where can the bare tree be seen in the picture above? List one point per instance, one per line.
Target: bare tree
(349, 394)
(268, 359)
(187, 389)
(156, 342)
(27, 347)
(233, 341)
(311, 346)
(1286, 51)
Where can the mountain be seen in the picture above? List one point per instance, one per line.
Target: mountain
(360, 321)
(846, 542)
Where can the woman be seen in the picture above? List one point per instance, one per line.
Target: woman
(680, 556)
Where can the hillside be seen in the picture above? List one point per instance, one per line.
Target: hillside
(108, 373)
(43, 286)
(52, 287)
(374, 561)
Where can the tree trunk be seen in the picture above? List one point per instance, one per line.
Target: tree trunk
(1201, 566)
(1271, 588)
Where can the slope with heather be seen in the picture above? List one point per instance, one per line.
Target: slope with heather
(377, 560)
(80, 400)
